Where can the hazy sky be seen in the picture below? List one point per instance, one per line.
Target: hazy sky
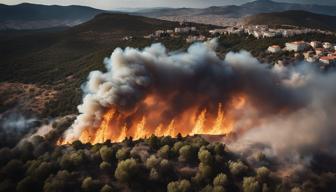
(110, 4)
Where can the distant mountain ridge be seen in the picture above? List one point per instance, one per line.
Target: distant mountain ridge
(33, 16)
(295, 18)
(247, 9)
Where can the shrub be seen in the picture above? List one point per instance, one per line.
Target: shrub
(14, 169)
(164, 151)
(106, 188)
(237, 168)
(220, 180)
(185, 153)
(127, 170)
(250, 184)
(296, 189)
(105, 166)
(177, 146)
(153, 141)
(106, 153)
(218, 189)
(88, 184)
(62, 181)
(179, 186)
(28, 184)
(152, 162)
(153, 175)
(219, 149)
(122, 154)
(204, 172)
(263, 173)
(205, 156)
(207, 188)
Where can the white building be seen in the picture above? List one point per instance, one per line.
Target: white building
(191, 39)
(327, 45)
(269, 34)
(315, 44)
(158, 33)
(182, 30)
(169, 31)
(274, 49)
(296, 46)
(257, 34)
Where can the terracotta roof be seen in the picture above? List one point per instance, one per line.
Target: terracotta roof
(328, 58)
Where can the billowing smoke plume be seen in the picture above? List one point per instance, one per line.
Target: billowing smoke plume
(290, 109)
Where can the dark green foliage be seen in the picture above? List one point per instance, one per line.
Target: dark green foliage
(107, 154)
(177, 164)
(63, 181)
(127, 170)
(250, 184)
(14, 170)
(106, 188)
(179, 186)
(90, 185)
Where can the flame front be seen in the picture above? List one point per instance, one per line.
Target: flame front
(195, 120)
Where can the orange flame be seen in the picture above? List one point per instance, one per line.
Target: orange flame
(116, 127)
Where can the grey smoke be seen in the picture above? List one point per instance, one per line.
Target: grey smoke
(14, 126)
(294, 107)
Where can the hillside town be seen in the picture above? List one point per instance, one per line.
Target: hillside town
(323, 53)
(264, 31)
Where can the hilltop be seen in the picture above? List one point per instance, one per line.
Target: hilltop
(34, 16)
(234, 11)
(231, 14)
(295, 18)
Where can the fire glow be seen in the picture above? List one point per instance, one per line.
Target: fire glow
(195, 120)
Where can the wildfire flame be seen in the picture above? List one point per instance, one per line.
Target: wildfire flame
(193, 121)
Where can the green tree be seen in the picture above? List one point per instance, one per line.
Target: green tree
(106, 153)
(106, 188)
(90, 185)
(263, 174)
(220, 180)
(237, 168)
(105, 166)
(179, 186)
(164, 152)
(205, 156)
(218, 189)
(127, 170)
(186, 153)
(122, 154)
(250, 184)
(28, 184)
(14, 169)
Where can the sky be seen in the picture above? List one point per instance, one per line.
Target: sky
(114, 4)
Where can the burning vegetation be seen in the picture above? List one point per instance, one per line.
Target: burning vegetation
(116, 126)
